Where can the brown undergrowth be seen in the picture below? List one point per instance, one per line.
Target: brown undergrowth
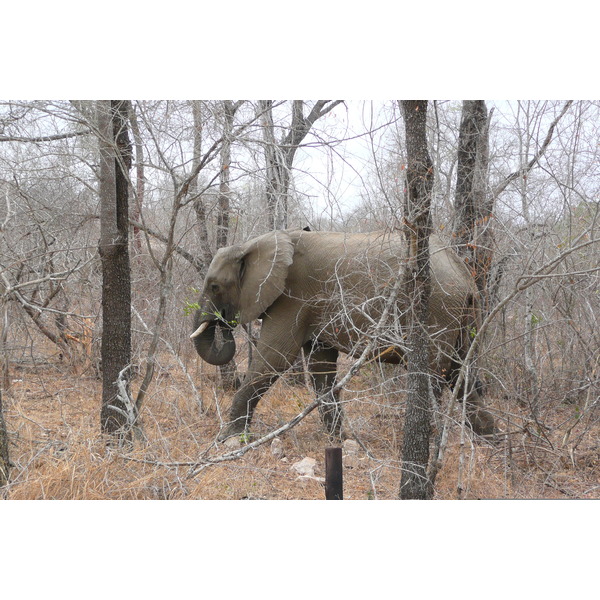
(57, 452)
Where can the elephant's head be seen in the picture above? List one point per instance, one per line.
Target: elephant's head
(241, 283)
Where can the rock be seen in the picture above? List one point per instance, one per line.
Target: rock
(305, 467)
(233, 443)
(351, 450)
(277, 448)
(350, 447)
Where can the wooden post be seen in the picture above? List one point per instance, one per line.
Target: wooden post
(334, 479)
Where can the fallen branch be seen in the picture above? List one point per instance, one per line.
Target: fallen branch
(130, 413)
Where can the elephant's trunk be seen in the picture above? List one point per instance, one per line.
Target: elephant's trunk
(214, 349)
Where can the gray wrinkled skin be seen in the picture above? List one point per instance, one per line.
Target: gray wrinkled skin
(323, 292)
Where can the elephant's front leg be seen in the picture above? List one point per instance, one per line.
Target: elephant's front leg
(244, 403)
(279, 345)
(322, 364)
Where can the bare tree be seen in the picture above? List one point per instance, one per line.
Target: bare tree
(45, 249)
(474, 200)
(118, 413)
(140, 177)
(520, 177)
(198, 202)
(415, 483)
(516, 182)
(280, 155)
(229, 110)
(473, 204)
(185, 190)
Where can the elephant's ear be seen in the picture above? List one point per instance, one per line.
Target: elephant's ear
(264, 269)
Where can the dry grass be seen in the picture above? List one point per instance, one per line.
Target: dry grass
(53, 420)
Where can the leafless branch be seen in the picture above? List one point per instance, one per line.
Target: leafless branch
(523, 282)
(523, 171)
(44, 138)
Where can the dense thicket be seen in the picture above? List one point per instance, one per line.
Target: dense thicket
(209, 173)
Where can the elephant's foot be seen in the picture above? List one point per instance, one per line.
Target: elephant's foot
(482, 423)
(232, 429)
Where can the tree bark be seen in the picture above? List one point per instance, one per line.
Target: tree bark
(274, 184)
(473, 203)
(4, 458)
(229, 110)
(229, 375)
(415, 483)
(198, 202)
(118, 412)
(136, 213)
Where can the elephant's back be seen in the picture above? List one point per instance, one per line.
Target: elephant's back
(345, 280)
(349, 257)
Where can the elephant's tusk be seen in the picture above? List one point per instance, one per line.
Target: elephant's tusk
(200, 329)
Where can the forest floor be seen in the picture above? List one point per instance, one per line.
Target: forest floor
(52, 417)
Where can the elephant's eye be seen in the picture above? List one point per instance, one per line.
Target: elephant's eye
(214, 288)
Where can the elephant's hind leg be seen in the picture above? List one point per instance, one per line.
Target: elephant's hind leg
(479, 418)
(322, 364)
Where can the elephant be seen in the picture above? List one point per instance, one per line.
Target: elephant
(323, 292)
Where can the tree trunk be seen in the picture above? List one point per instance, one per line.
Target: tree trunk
(473, 203)
(229, 110)
(415, 483)
(273, 185)
(198, 202)
(229, 375)
(4, 458)
(532, 389)
(5, 363)
(118, 411)
(136, 213)
(280, 156)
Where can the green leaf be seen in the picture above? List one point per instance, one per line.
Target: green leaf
(190, 307)
(535, 320)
